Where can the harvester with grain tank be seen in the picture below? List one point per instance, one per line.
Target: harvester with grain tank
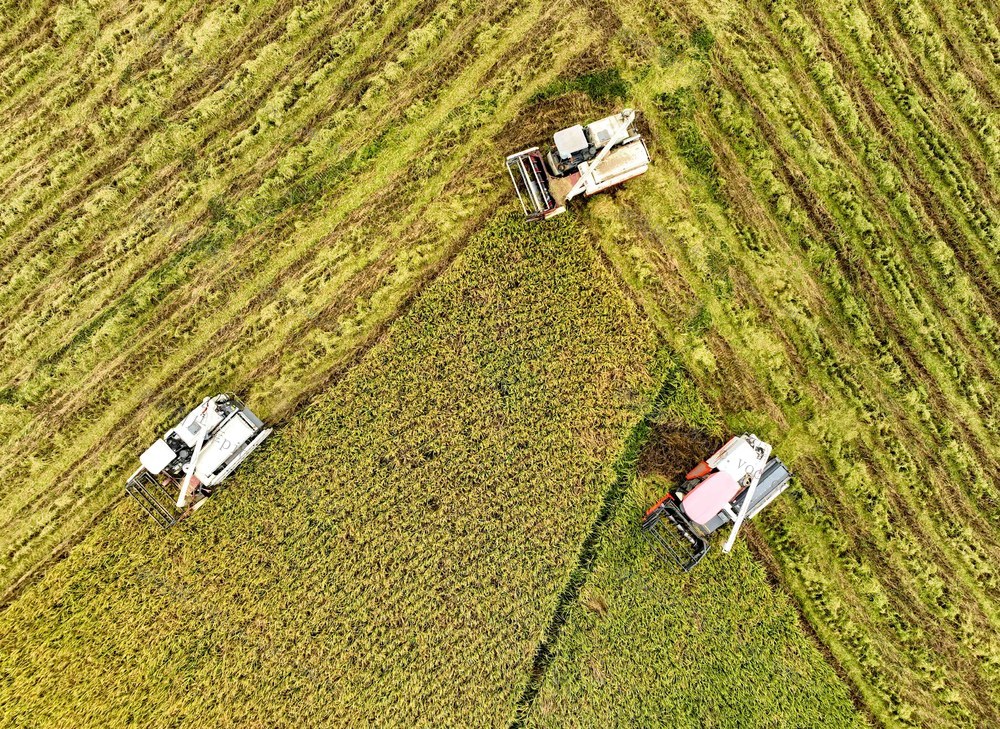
(181, 469)
(584, 160)
(733, 484)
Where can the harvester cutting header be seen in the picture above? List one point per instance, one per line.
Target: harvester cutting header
(585, 160)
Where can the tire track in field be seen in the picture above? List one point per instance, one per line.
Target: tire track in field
(786, 165)
(291, 269)
(15, 38)
(97, 170)
(958, 45)
(438, 77)
(763, 553)
(28, 22)
(962, 133)
(957, 164)
(63, 69)
(216, 131)
(725, 154)
(303, 264)
(798, 183)
(906, 610)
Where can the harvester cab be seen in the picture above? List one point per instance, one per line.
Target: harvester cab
(733, 484)
(584, 160)
(181, 469)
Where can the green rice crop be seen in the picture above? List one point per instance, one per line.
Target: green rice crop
(645, 645)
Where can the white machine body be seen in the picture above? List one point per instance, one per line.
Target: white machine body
(194, 456)
(743, 458)
(585, 160)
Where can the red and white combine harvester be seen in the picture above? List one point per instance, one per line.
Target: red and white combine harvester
(180, 470)
(585, 160)
(733, 484)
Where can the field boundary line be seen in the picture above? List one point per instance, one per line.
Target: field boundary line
(624, 468)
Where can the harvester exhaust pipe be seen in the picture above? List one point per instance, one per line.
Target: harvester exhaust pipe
(200, 421)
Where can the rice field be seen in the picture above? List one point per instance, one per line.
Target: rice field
(225, 197)
(393, 554)
(637, 643)
(818, 245)
(644, 646)
(304, 203)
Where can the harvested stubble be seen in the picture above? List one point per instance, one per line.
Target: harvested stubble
(818, 241)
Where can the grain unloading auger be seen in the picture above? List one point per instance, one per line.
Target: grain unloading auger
(586, 160)
(733, 484)
(180, 470)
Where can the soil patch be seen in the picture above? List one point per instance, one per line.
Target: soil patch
(672, 451)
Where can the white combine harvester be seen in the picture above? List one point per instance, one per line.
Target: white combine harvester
(586, 160)
(733, 484)
(180, 470)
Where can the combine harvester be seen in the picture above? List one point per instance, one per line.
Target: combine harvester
(586, 160)
(735, 483)
(193, 457)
